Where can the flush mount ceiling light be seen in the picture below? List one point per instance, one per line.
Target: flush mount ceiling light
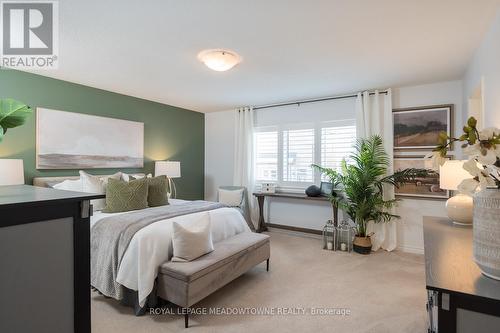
(219, 60)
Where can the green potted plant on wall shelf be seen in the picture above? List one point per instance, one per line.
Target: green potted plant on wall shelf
(12, 114)
(360, 187)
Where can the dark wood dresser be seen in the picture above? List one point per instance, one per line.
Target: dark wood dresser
(460, 298)
(44, 260)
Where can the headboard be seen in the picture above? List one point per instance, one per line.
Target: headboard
(50, 181)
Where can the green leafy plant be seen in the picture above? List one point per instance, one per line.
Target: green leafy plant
(483, 149)
(12, 114)
(360, 184)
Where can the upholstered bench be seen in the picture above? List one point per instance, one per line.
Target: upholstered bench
(186, 283)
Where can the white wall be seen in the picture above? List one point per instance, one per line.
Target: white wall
(410, 232)
(219, 135)
(486, 64)
(219, 151)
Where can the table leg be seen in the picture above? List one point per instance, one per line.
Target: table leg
(262, 224)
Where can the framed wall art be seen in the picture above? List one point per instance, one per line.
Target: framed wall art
(425, 187)
(419, 127)
(68, 140)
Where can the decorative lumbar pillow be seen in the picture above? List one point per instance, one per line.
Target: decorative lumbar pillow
(124, 196)
(157, 191)
(69, 185)
(192, 242)
(232, 198)
(96, 184)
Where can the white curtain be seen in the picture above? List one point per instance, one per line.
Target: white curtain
(243, 155)
(374, 116)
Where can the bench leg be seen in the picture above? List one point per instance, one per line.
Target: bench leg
(267, 265)
(186, 320)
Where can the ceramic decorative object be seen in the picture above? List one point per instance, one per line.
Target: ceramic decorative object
(313, 191)
(486, 231)
(459, 209)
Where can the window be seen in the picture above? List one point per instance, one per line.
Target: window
(266, 155)
(284, 154)
(336, 145)
(298, 155)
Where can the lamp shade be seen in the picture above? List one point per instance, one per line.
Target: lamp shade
(451, 174)
(171, 169)
(11, 172)
(219, 60)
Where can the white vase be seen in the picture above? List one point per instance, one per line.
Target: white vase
(486, 232)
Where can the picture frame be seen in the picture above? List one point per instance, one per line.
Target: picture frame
(326, 189)
(418, 128)
(70, 140)
(424, 188)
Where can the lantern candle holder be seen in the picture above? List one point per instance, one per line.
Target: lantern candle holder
(330, 236)
(345, 236)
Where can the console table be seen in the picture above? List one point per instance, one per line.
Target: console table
(44, 260)
(262, 196)
(460, 298)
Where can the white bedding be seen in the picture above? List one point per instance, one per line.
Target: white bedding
(152, 246)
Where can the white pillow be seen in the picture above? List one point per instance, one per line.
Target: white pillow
(126, 176)
(193, 242)
(96, 184)
(232, 198)
(70, 185)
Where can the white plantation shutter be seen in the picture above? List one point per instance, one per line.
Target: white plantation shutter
(336, 144)
(298, 155)
(266, 155)
(288, 139)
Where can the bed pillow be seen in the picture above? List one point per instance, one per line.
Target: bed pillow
(157, 191)
(126, 176)
(96, 184)
(192, 242)
(122, 196)
(232, 198)
(69, 185)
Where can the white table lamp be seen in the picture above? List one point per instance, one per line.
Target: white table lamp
(171, 169)
(11, 172)
(458, 207)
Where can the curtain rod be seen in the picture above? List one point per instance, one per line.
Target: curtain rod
(312, 100)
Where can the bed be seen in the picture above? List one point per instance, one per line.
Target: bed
(126, 257)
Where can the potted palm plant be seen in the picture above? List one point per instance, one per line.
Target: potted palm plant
(360, 187)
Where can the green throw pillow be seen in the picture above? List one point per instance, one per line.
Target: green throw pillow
(157, 191)
(124, 196)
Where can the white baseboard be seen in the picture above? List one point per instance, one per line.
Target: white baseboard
(410, 249)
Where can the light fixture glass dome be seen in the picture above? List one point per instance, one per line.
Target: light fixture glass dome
(219, 60)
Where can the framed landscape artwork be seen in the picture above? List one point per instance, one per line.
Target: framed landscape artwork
(419, 128)
(67, 140)
(425, 187)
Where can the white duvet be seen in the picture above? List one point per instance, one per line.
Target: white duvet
(152, 246)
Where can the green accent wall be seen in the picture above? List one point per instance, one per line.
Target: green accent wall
(169, 132)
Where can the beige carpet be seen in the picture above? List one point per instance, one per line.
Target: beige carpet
(385, 292)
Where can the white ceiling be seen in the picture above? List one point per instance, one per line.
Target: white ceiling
(291, 49)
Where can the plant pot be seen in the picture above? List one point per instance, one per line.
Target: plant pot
(486, 232)
(362, 245)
